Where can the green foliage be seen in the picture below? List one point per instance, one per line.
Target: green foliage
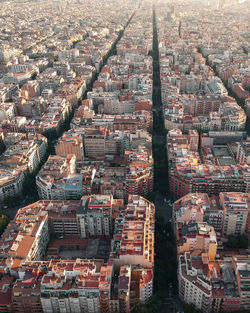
(150, 53)
(153, 306)
(4, 221)
(248, 125)
(160, 167)
(158, 131)
(112, 164)
(165, 262)
(165, 269)
(140, 309)
(12, 201)
(240, 242)
(51, 149)
(29, 186)
(151, 196)
(66, 123)
(150, 131)
(50, 134)
(190, 308)
(240, 101)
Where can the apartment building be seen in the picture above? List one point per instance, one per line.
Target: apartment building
(210, 286)
(71, 143)
(211, 282)
(60, 179)
(241, 266)
(190, 208)
(23, 151)
(135, 285)
(196, 236)
(124, 288)
(221, 138)
(243, 152)
(29, 240)
(7, 111)
(215, 213)
(139, 171)
(62, 218)
(198, 207)
(193, 172)
(114, 106)
(22, 156)
(136, 243)
(62, 286)
(113, 182)
(26, 295)
(141, 285)
(6, 294)
(236, 207)
(30, 90)
(94, 216)
(202, 105)
(101, 142)
(89, 217)
(74, 286)
(11, 183)
(228, 212)
(78, 284)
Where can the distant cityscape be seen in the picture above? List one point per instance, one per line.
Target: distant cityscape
(125, 156)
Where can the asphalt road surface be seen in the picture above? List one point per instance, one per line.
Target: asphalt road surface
(172, 302)
(11, 211)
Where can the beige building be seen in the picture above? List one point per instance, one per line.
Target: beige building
(124, 289)
(241, 264)
(236, 208)
(59, 179)
(94, 217)
(99, 142)
(136, 244)
(197, 237)
(71, 143)
(193, 139)
(243, 152)
(76, 286)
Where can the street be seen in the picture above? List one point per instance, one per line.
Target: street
(172, 302)
(163, 208)
(11, 211)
